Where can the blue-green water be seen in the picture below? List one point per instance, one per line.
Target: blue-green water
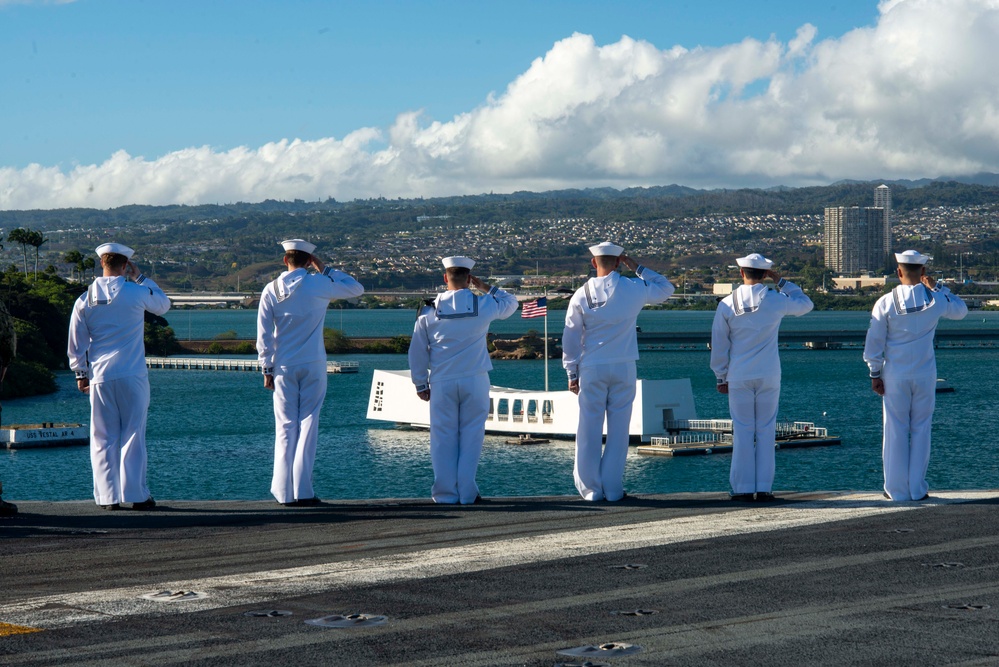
(210, 434)
(206, 324)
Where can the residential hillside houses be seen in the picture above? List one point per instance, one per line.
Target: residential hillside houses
(545, 245)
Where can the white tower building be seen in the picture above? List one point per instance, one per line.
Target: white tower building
(882, 199)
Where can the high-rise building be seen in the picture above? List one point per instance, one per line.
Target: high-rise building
(882, 199)
(854, 238)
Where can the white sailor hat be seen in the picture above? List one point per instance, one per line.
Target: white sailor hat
(298, 244)
(754, 261)
(116, 248)
(911, 257)
(459, 261)
(606, 248)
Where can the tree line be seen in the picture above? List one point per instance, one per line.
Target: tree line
(41, 305)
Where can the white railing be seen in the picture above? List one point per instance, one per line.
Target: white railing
(784, 429)
(721, 425)
(691, 438)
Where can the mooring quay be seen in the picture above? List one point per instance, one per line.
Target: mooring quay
(221, 364)
(825, 339)
(817, 578)
(953, 336)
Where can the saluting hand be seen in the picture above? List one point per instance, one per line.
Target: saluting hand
(629, 262)
(316, 263)
(478, 283)
(928, 281)
(773, 275)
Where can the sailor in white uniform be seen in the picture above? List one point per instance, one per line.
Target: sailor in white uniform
(599, 351)
(107, 351)
(903, 368)
(745, 362)
(450, 365)
(293, 360)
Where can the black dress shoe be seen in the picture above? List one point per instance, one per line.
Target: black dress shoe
(885, 494)
(926, 497)
(146, 504)
(303, 502)
(765, 497)
(7, 509)
(741, 497)
(111, 508)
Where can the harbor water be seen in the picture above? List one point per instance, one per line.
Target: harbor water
(210, 433)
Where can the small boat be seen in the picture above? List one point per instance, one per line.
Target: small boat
(542, 413)
(528, 439)
(944, 387)
(46, 434)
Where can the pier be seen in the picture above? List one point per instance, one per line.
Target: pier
(819, 339)
(815, 340)
(218, 364)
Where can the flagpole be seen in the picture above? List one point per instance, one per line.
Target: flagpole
(546, 339)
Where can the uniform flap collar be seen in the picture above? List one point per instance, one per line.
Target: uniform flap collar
(457, 303)
(747, 298)
(289, 281)
(104, 289)
(599, 290)
(909, 299)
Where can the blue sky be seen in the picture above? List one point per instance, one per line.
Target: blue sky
(116, 101)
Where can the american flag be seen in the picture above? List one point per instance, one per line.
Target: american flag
(536, 308)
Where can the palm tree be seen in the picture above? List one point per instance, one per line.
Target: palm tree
(36, 239)
(75, 260)
(20, 236)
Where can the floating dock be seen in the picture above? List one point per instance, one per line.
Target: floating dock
(714, 436)
(220, 364)
(46, 434)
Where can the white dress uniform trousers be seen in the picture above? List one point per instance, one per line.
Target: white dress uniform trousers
(106, 345)
(752, 404)
(118, 410)
(299, 392)
(600, 348)
(744, 356)
(605, 389)
(291, 349)
(908, 421)
(458, 411)
(899, 350)
(448, 355)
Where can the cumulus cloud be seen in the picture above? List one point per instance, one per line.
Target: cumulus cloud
(915, 95)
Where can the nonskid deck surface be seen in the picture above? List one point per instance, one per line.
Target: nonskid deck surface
(818, 578)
